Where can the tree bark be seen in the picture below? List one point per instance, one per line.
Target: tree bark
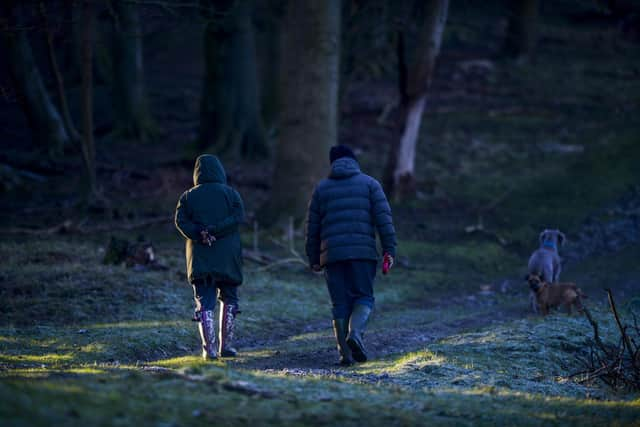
(309, 115)
(521, 28)
(133, 119)
(416, 65)
(230, 105)
(53, 62)
(46, 124)
(88, 147)
(268, 24)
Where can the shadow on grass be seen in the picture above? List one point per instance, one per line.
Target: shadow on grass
(196, 393)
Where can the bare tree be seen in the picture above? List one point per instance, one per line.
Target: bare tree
(309, 110)
(44, 119)
(416, 62)
(230, 105)
(133, 119)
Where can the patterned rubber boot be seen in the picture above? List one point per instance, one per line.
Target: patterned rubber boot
(357, 325)
(226, 329)
(207, 329)
(340, 327)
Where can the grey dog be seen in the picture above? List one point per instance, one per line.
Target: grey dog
(545, 261)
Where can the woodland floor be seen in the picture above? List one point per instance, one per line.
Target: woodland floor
(509, 149)
(86, 343)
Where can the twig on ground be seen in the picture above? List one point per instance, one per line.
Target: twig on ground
(479, 227)
(616, 366)
(623, 333)
(258, 257)
(594, 325)
(282, 262)
(244, 387)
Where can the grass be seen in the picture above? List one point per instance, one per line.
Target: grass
(453, 343)
(136, 362)
(457, 381)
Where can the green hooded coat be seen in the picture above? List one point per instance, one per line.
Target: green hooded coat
(214, 206)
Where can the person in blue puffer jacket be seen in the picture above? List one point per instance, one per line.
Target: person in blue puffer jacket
(345, 211)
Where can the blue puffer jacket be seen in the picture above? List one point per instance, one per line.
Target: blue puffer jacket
(344, 213)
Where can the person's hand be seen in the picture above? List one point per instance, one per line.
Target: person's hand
(387, 263)
(316, 268)
(206, 238)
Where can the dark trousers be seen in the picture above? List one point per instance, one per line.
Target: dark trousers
(350, 283)
(205, 293)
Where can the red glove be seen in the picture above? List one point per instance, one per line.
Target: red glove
(387, 263)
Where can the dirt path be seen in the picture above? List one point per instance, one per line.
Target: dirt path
(309, 348)
(397, 329)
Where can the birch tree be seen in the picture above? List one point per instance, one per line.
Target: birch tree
(416, 62)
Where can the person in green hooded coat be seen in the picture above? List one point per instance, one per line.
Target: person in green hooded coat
(208, 216)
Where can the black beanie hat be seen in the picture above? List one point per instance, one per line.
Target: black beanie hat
(338, 151)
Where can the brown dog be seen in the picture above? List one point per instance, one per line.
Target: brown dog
(554, 295)
(545, 261)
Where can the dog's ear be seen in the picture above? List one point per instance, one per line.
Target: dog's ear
(562, 237)
(526, 278)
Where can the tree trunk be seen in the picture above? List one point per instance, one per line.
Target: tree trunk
(309, 116)
(53, 62)
(230, 105)
(521, 29)
(88, 147)
(44, 119)
(133, 119)
(268, 24)
(416, 64)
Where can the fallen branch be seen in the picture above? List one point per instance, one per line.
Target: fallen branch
(239, 386)
(247, 388)
(616, 366)
(479, 225)
(257, 257)
(293, 260)
(69, 227)
(11, 177)
(594, 325)
(623, 333)
(479, 228)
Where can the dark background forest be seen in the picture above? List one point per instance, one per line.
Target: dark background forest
(485, 121)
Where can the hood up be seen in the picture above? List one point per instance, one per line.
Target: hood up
(344, 167)
(208, 169)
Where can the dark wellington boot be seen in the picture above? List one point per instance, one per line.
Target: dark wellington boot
(207, 329)
(357, 325)
(340, 327)
(226, 329)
